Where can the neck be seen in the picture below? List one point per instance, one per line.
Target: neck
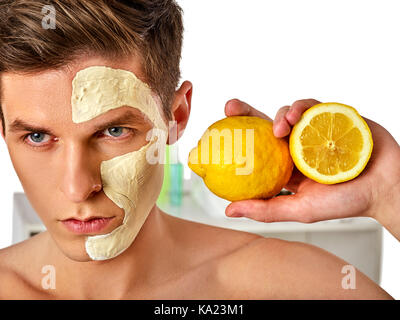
(114, 277)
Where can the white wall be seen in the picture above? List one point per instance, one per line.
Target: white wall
(271, 53)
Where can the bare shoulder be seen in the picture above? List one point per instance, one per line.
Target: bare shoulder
(268, 268)
(206, 241)
(17, 264)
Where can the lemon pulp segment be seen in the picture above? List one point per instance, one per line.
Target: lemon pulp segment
(331, 143)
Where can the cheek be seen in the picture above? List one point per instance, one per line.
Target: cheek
(31, 169)
(37, 179)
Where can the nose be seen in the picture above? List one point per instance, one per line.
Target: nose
(80, 176)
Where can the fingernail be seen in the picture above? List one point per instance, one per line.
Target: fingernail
(290, 115)
(275, 130)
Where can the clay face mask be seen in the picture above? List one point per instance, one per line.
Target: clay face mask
(129, 180)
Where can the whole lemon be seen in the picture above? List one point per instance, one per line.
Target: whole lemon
(240, 158)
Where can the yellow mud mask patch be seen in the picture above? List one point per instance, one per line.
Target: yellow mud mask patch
(129, 180)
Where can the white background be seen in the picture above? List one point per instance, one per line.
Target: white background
(271, 53)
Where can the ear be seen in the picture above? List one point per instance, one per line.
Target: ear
(181, 109)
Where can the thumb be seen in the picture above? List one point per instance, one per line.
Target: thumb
(280, 208)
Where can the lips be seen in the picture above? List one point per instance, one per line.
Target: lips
(90, 225)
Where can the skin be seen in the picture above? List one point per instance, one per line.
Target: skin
(374, 193)
(170, 257)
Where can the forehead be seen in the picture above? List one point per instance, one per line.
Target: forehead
(48, 93)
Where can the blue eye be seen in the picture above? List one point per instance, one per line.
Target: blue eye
(37, 137)
(115, 131)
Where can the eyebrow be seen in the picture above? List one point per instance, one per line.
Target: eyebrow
(125, 118)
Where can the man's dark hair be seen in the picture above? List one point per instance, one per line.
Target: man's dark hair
(149, 29)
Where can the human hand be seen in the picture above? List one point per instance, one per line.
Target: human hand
(374, 193)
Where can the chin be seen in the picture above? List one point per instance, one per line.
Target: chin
(76, 254)
(73, 249)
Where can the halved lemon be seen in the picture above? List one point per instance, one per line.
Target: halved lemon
(331, 143)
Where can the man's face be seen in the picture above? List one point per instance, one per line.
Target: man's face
(57, 160)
